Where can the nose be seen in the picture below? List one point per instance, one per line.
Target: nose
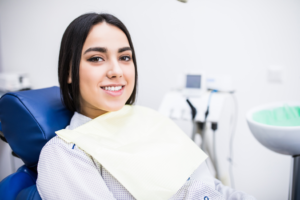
(115, 70)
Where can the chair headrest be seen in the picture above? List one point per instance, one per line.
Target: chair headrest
(30, 118)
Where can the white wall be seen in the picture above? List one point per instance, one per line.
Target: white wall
(242, 38)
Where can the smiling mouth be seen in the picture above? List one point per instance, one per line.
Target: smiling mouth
(113, 88)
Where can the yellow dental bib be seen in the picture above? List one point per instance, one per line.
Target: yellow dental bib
(144, 150)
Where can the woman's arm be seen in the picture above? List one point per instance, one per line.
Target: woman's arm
(203, 174)
(66, 172)
(231, 194)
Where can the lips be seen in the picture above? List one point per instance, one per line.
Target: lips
(113, 90)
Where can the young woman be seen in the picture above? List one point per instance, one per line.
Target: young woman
(98, 74)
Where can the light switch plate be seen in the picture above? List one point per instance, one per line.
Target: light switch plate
(275, 74)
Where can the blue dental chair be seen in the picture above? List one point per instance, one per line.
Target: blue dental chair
(29, 120)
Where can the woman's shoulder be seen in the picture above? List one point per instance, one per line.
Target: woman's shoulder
(57, 141)
(59, 151)
(57, 145)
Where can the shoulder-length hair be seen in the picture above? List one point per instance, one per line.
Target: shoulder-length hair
(70, 56)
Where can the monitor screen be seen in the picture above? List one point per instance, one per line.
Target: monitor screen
(193, 81)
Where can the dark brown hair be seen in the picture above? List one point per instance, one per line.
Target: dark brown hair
(70, 56)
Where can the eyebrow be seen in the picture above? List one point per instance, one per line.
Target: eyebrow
(124, 49)
(104, 50)
(99, 49)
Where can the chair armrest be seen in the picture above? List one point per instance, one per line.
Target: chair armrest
(29, 193)
(16, 182)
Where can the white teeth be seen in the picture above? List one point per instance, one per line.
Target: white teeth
(113, 88)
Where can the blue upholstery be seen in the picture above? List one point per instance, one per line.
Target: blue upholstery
(29, 120)
(14, 183)
(29, 193)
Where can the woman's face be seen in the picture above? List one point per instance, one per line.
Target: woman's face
(106, 72)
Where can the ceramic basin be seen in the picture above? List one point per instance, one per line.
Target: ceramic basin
(281, 139)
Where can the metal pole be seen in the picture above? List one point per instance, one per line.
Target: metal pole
(194, 130)
(296, 178)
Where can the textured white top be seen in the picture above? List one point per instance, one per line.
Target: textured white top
(67, 172)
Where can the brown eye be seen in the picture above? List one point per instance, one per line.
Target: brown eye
(95, 59)
(125, 58)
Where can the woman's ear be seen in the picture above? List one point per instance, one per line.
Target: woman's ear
(69, 77)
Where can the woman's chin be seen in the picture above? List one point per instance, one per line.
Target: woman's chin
(114, 107)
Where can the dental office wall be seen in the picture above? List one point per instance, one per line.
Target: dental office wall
(241, 38)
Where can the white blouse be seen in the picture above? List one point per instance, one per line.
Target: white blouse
(67, 172)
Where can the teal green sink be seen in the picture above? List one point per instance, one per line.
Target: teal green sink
(277, 127)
